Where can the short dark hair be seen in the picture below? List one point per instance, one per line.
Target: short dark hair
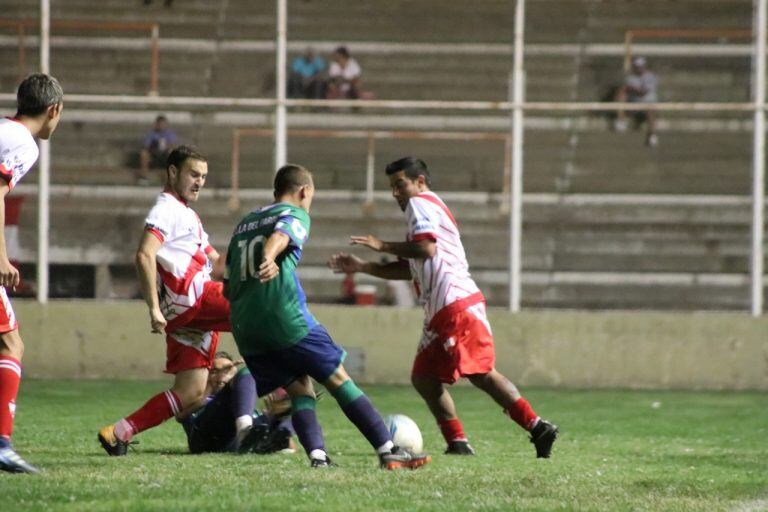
(36, 93)
(161, 117)
(291, 177)
(181, 154)
(222, 354)
(412, 167)
(342, 50)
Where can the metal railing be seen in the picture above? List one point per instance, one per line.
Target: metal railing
(22, 26)
(631, 36)
(371, 136)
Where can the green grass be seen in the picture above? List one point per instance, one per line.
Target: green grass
(695, 451)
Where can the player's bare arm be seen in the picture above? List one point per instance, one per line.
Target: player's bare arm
(146, 268)
(276, 244)
(9, 275)
(344, 263)
(219, 262)
(421, 249)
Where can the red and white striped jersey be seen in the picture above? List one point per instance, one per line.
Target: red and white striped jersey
(18, 151)
(442, 280)
(182, 261)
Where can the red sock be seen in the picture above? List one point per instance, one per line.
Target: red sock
(10, 375)
(157, 409)
(452, 430)
(522, 412)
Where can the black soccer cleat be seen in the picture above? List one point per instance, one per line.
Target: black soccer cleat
(111, 444)
(12, 462)
(255, 437)
(543, 436)
(401, 458)
(277, 440)
(459, 447)
(322, 463)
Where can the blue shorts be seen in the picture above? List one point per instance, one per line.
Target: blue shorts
(315, 355)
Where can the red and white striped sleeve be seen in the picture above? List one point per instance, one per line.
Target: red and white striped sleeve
(160, 221)
(422, 222)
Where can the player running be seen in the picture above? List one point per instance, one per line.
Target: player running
(39, 106)
(281, 342)
(174, 263)
(457, 340)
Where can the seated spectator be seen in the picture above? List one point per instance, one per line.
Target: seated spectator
(344, 77)
(639, 87)
(307, 78)
(158, 144)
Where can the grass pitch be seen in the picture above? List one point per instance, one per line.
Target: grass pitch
(619, 450)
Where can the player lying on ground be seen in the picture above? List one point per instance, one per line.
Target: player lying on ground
(39, 105)
(457, 340)
(280, 340)
(174, 263)
(223, 423)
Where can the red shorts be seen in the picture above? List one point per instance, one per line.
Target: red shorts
(456, 345)
(194, 344)
(8, 321)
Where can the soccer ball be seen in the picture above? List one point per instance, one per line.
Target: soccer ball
(404, 431)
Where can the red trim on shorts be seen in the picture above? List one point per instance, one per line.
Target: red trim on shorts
(442, 316)
(208, 249)
(180, 357)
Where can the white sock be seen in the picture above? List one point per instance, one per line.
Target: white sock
(243, 425)
(385, 448)
(318, 454)
(123, 430)
(243, 422)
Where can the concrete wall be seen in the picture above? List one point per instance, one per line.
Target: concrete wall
(90, 339)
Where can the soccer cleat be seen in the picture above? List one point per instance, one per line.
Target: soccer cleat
(543, 436)
(277, 440)
(401, 458)
(111, 444)
(459, 447)
(255, 437)
(12, 462)
(322, 463)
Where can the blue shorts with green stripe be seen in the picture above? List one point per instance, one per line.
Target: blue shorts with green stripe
(316, 355)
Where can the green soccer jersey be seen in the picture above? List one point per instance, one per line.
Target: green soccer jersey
(272, 315)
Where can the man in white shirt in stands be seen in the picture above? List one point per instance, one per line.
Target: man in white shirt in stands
(639, 87)
(344, 76)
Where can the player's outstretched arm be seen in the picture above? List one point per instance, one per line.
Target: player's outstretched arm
(9, 275)
(421, 249)
(343, 263)
(146, 268)
(275, 245)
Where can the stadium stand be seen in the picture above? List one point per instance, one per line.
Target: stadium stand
(638, 241)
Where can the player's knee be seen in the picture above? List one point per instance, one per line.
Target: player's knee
(426, 386)
(12, 345)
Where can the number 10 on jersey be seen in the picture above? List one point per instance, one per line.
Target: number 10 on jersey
(248, 266)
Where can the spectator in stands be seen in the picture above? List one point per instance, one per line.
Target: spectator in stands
(167, 3)
(639, 87)
(158, 144)
(344, 77)
(307, 78)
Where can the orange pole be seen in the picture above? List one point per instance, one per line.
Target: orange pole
(153, 87)
(22, 54)
(234, 200)
(628, 36)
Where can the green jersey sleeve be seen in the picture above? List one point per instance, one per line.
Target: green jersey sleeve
(294, 222)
